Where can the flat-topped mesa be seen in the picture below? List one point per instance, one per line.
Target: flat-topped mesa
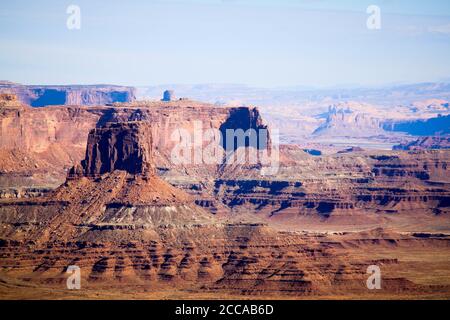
(44, 95)
(125, 146)
(173, 115)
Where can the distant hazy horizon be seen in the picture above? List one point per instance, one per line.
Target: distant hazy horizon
(244, 85)
(266, 43)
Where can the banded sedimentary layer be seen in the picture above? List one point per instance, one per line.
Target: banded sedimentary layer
(102, 193)
(38, 146)
(127, 228)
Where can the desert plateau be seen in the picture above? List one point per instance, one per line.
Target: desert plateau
(209, 150)
(94, 186)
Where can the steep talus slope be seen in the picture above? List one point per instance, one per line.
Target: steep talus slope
(115, 181)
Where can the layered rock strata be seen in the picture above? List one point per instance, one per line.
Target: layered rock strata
(38, 146)
(129, 230)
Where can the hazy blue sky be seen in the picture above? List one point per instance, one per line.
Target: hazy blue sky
(255, 42)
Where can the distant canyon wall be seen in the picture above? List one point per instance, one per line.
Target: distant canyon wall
(51, 140)
(420, 127)
(39, 96)
(350, 123)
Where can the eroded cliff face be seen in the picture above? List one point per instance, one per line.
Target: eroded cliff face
(37, 131)
(38, 146)
(115, 184)
(127, 229)
(40, 96)
(405, 190)
(118, 146)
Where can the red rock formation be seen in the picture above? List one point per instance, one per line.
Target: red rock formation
(119, 146)
(345, 191)
(126, 229)
(116, 176)
(38, 145)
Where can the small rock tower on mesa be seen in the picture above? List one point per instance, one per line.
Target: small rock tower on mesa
(168, 95)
